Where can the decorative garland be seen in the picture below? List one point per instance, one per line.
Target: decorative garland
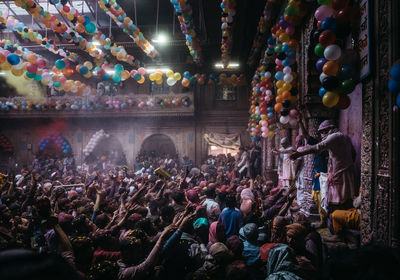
(116, 12)
(228, 12)
(19, 105)
(185, 17)
(84, 25)
(26, 33)
(56, 138)
(335, 65)
(270, 11)
(280, 56)
(94, 141)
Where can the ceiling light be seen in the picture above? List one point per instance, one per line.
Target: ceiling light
(160, 39)
(230, 65)
(2, 73)
(152, 70)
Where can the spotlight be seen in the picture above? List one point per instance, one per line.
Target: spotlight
(160, 39)
(230, 65)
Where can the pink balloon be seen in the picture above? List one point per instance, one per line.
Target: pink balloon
(263, 89)
(142, 71)
(290, 30)
(323, 12)
(293, 113)
(41, 63)
(278, 61)
(63, 80)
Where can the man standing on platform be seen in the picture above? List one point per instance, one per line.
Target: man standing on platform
(341, 189)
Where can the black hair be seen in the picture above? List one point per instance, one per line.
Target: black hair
(178, 196)
(210, 193)
(230, 201)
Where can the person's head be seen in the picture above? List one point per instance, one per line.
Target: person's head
(210, 192)
(178, 197)
(237, 270)
(83, 251)
(326, 127)
(167, 214)
(104, 270)
(249, 232)
(231, 201)
(101, 220)
(285, 142)
(235, 245)
(132, 250)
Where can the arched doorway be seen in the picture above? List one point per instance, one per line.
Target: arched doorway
(158, 144)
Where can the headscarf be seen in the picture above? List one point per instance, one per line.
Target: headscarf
(278, 233)
(282, 259)
(192, 196)
(200, 222)
(235, 245)
(249, 232)
(247, 194)
(249, 235)
(297, 233)
(216, 233)
(219, 250)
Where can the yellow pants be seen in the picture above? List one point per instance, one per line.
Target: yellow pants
(349, 219)
(316, 196)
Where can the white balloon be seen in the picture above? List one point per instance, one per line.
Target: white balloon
(267, 75)
(288, 78)
(332, 52)
(287, 70)
(224, 26)
(322, 77)
(171, 81)
(268, 93)
(284, 119)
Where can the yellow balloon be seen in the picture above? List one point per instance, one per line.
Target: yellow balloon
(152, 77)
(157, 76)
(159, 82)
(284, 37)
(279, 83)
(17, 72)
(141, 81)
(280, 91)
(330, 99)
(169, 74)
(286, 86)
(88, 64)
(177, 76)
(271, 133)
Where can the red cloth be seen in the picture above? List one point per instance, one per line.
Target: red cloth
(264, 250)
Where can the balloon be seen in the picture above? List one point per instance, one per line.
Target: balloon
(395, 72)
(171, 81)
(185, 82)
(177, 76)
(322, 92)
(394, 86)
(323, 12)
(329, 24)
(344, 102)
(293, 113)
(327, 38)
(344, 15)
(330, 99)
(332, 52)
(137, 76)
(60, 64)
(118, 68)
(88, 64)
(284, 119)
(83, 70)
(169, 74)
(41, 63)
(278, 107)
(142, 71)
(31, 68)
(13, 59)
(330, 83)
(90, 27)
(330, 68)
(116, 78)
(319, 50)
(31, 57)
(346, 72)
(347, 86)
(320, 64)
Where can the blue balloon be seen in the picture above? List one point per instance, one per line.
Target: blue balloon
(285, 48)
(256, 138)
(398, 100)
(90, 27)
(118, 68)
(286, 62)
(322, 92)
(395, 72)
(116, 78)
(83, 70)
(346, 72)
(13, 59)
(60, 64)
(329, 24)
(394, 86)
(279, 75)
(105, 77)
(270, 115)
(186, 75)
(320, 64)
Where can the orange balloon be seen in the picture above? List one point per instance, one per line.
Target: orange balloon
(279, 99)
(286, 95)
(330, 68)
(278, 107)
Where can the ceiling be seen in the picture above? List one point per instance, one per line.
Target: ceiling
(207, 21)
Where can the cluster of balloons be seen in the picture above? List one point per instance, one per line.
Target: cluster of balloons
(394, 82)
(228, 12)
(223, 79)
(94, 140)
(280, 56)
(138, 75)
(85, 69)
(116, 12)
(264, 23)
(185, 17)
(335, 65)
(57, 139)
(110, 104)
(27, 33)
(5, 144)
(51, 22)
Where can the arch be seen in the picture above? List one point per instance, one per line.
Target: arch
(5, 145)
(54, 144)
(159, 143)
(104, 147)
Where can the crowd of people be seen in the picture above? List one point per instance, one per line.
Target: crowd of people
(163, 219)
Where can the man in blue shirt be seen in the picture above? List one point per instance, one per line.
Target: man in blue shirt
(231, 217)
